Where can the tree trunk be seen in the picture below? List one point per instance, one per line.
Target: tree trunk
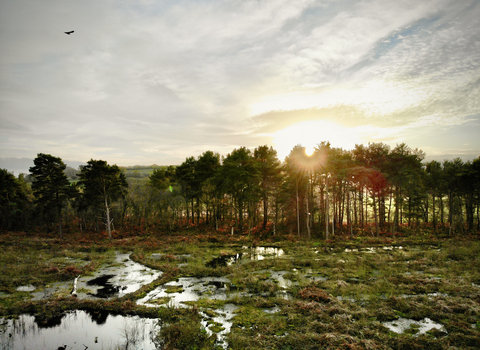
(60, 228)
(442, 219)
(308, 218)
(375, 214)
(298, 210)
(107, 209)
(327, 219)
(265, 212)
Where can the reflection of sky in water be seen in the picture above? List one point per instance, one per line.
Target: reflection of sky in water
(27, 288)
(193, 289)
(127, 277)
(372, 249)
(132, 275)
(260, 253)
(78, 331)
(215, 288)
(282, 282)
(225, 314)
(402, 324)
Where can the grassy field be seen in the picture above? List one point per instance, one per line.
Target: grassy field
(340, 294)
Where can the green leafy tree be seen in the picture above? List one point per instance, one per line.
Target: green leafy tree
(340, 164)
(206, 168)
(14, 201)
(50, 187)
(375, 157)
(434, 183)
(269, 167)
(162, 178)
(163, 195)
(185, 175)
(298, 166)
(453, 170)
(469, 186)
(241, 178)
(103, 185)
(405, 170)
(323, 172)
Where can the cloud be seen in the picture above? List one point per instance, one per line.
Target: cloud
(158, 81)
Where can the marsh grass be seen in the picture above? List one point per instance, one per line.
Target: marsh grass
(365, 285)
(184, 333)
(41, 264)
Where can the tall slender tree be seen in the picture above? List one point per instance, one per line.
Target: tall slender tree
(206, 168)
(50, 187)
(241, 180)
(298, 168)
(269, 167)
(433, 183)
(102, 185)
(185, 175)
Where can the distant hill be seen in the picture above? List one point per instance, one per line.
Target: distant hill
(22, 165)
(140, 172)
(18, 166)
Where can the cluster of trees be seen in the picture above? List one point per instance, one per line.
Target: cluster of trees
(51, 194)
(369, 189)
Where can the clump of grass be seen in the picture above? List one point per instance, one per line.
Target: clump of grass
(215, 327)
(174, 289)
(187, 333)
(159, 301)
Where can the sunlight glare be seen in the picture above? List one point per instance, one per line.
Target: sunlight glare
(310, 133)
(309, 150)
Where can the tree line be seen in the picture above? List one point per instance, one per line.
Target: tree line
(372, 189)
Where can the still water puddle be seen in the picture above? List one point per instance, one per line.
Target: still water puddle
(27, 288)
(123, 277)
(222, 320)
(187, 289)
(79, 330)
(261, 253)
(278, 277)
(272, 310)
(418, 327)
(224, 260)
(247, 254)
(371, 250)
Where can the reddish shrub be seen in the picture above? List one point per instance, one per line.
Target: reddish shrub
(71, 270)
(315, 294)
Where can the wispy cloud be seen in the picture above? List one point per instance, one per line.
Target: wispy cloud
(157, 81)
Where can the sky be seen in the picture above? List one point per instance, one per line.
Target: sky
(143, 82)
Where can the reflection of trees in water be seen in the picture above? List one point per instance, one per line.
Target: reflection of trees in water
(118, 333)
(6, 337)
(44, 321)
(107, 289)
(98, 316)
(224, 260)
(135, 332)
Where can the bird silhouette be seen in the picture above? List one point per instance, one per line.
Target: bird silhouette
(70, 32)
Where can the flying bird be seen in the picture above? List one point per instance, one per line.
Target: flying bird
(70, 32)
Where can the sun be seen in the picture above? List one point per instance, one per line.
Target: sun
(310, 133)
(309, 150)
